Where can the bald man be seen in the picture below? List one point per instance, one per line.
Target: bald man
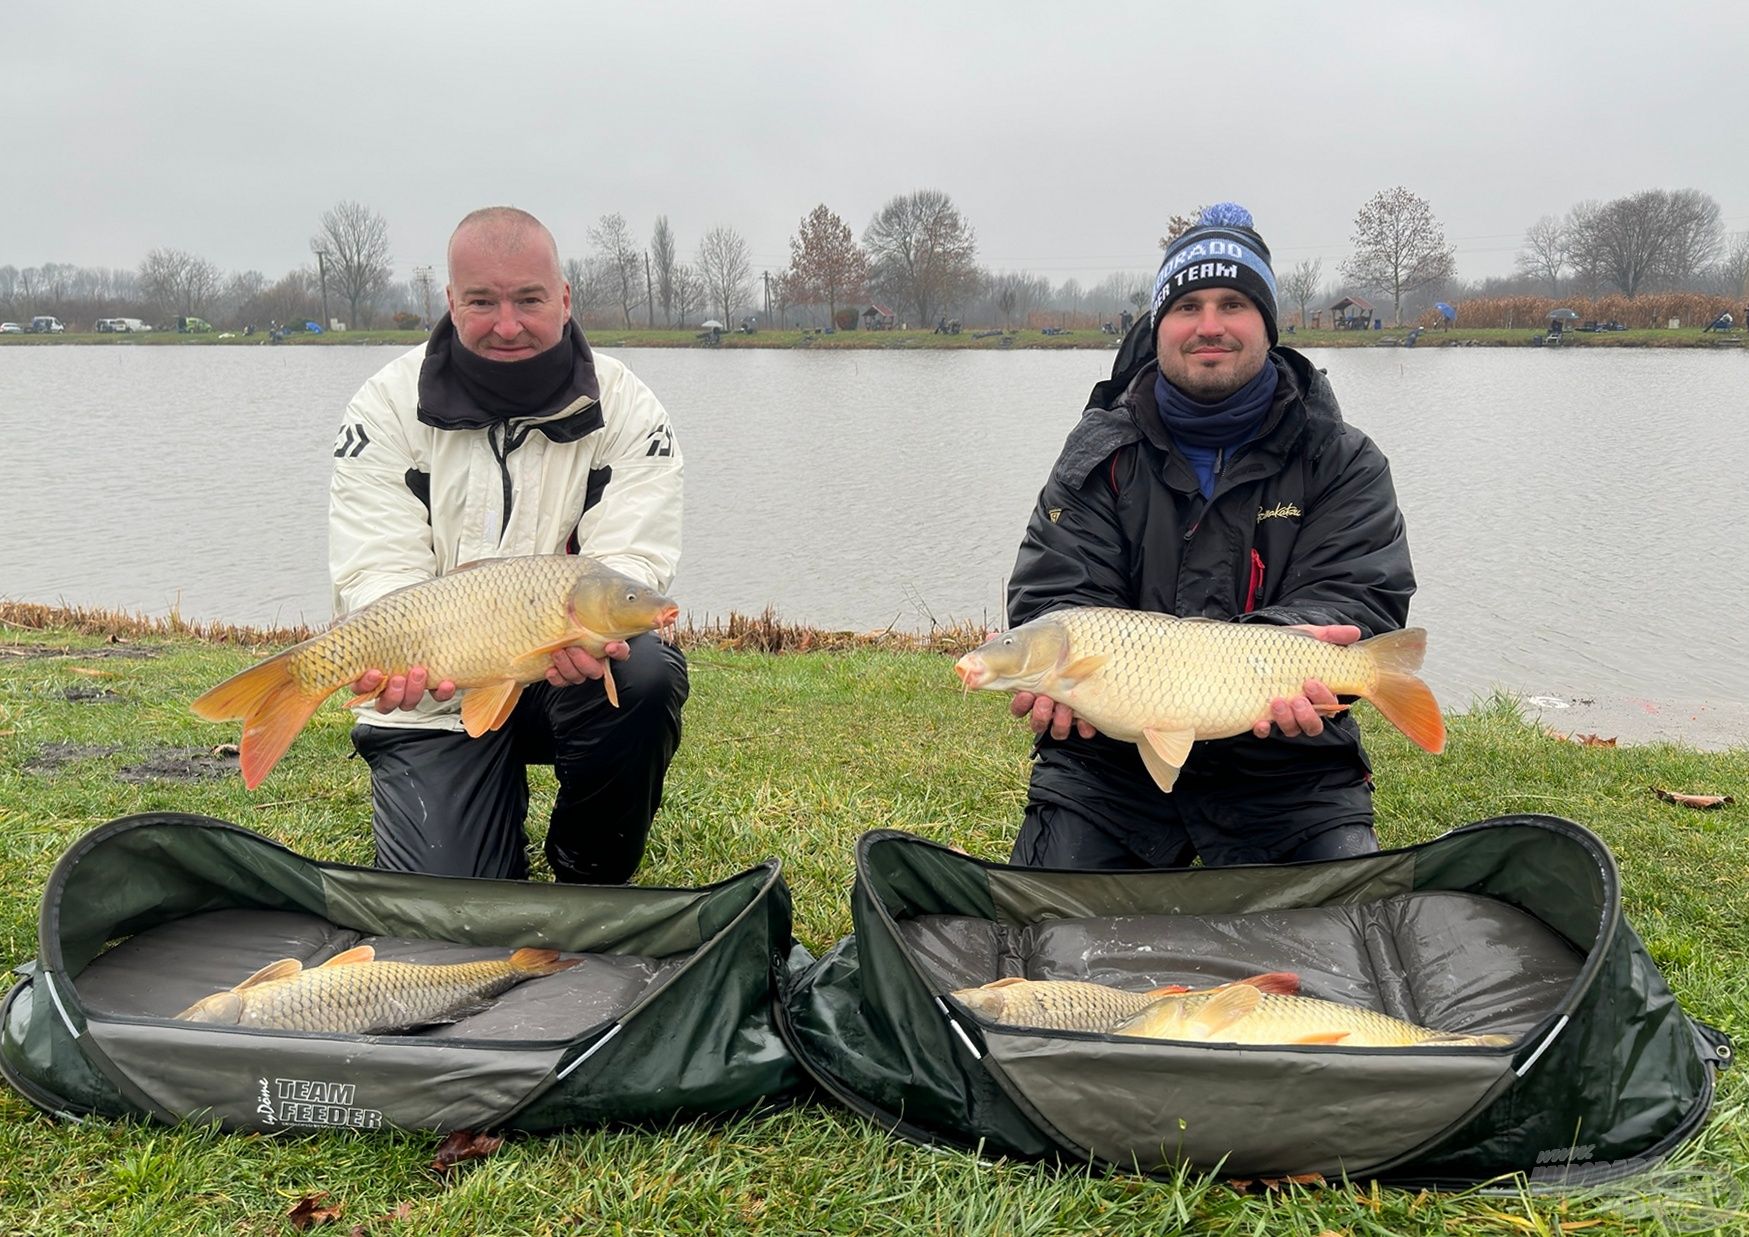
(505, 435)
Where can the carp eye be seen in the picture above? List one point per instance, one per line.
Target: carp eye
(631, 596)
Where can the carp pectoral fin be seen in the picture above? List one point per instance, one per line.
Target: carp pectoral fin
(1225, 1008)
(487, 708)
(1321, 1037)
(1082, 668)
(1164, 753)
(608, 683)
(353, 956)
(1330, 710)
(1283, 983)
(285, 968)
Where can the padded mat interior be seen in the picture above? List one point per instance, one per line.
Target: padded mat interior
(1453, 961)
(163, 970)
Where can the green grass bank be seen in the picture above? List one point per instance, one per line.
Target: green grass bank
(793, 755)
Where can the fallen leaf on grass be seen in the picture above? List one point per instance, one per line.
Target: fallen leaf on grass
(1271, 1184)
(465, 1145)
(91, 673)
(1591, 740)
(1703, 802)
(401, 1212)
(310, 1211)
(226, 749)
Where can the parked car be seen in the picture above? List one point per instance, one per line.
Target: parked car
(46, 324)
(191, 325)
(10, 328)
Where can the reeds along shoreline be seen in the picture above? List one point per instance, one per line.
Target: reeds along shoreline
(761, 633)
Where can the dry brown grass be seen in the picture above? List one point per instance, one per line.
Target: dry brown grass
(762, 633)
(1645, 312)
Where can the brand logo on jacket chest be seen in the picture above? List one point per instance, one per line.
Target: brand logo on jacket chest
(1280, 511)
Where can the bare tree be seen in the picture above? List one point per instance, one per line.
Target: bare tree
(621, 260)
(1645, 239)
(1730, 277)
(1301, 284)
(1015, 294)
(1696, 236)
(826, 262)
(355, 242)
(924, 253)
(664, 253)
(1544, 255)
(725, 268)
(688, 292)
(1398, 247)
(177, 283)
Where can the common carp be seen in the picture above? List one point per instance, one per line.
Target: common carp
(489, 627)
(1237, 1014)
(1163, 682)
(1077, 1005)
(353, 993)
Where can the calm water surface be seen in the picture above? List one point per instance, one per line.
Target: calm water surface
(1572, 514)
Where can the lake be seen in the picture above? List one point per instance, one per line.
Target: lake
(1571, 513)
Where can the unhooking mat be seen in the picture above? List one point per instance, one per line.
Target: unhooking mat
(1511, 926)
(667, 1013)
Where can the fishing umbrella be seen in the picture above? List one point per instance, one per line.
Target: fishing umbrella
(1446, 311)
(1564, 314)
(708, 323)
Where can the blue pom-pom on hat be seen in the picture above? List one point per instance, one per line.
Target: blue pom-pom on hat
(1225, 215)
(1221, 249)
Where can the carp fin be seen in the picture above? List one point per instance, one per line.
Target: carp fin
(487, 708)
(579, 637)
(1225, 1008)
(1282, 983)
(1008, 982)
(1164, 753)
(1321, 1037)
(534, 961)
(353, 956)
(274, 708)
(285, 968)
(1406, 702)
(1082, 668)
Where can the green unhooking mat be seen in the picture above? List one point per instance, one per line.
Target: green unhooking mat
(668, 1010)
(1511, 927)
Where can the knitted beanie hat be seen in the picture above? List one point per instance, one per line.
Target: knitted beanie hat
(1221, 250)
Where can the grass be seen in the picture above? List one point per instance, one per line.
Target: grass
(791, 754)
(967, 340)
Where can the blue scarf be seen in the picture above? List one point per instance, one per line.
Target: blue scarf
(1205, 431)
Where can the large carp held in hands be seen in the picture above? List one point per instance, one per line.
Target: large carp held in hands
(1163, 683)
(489, 627)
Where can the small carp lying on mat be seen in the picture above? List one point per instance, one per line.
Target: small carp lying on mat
(355, 994)
(1163, 683)
(1237, 1014)
(488, 627)
(1077, 1005)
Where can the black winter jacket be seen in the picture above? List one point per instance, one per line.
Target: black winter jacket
(1303, 527)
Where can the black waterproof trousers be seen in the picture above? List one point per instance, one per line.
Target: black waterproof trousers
(450, 805)
(1092, 805)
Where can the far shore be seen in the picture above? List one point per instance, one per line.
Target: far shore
(983, 338)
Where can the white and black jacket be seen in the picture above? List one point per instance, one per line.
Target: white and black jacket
(409, 500)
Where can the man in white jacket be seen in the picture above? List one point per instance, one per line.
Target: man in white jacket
(505, 435)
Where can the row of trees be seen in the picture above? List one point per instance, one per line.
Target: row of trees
(917, 255)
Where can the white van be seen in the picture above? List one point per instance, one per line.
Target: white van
(45, 324)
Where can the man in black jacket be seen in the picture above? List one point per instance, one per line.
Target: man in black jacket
(1213, 476)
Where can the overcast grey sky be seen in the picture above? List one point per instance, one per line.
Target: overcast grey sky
(1067, 133)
